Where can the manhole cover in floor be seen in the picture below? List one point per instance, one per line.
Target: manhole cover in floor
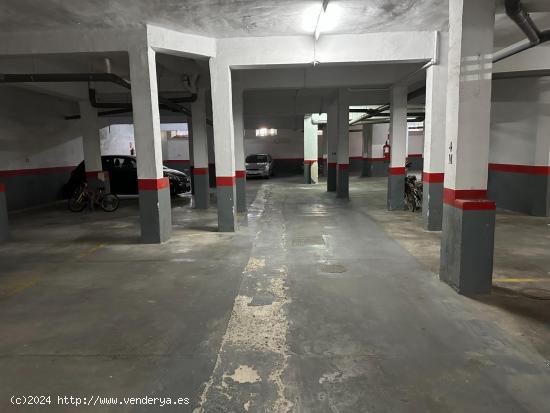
(536, 293)
(306, 241)
(333, 268)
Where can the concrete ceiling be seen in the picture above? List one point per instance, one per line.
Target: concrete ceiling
(227, 18)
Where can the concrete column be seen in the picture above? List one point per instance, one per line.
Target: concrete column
(199, 143)
(434, 139)
(332, 144)
(467, 241)
(323, 153)
(540, 182)
(367, 150)
(191, 154)
(154, 190)
(4, 229)
(342, 188)
(240, 168)
(310, 151)
(95, 176)
(398, 143)
(224, 144)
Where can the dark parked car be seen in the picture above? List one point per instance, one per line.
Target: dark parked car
(123, 176)
(259, 165)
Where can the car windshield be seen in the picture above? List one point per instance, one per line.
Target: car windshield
(256, 159)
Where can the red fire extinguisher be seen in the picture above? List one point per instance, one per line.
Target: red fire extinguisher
(386, 148)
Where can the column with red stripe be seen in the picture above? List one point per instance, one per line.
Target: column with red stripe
(224, 144)
(201, 192)
(310, 151)
(332, 145)
(4, 228)
(398, 145)
(342, 187)
(154, 190)
(467, 241)
(238, 125)
(434, 138)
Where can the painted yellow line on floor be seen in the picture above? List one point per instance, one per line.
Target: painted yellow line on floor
(16, 287)
(521, 280)
(90, 251)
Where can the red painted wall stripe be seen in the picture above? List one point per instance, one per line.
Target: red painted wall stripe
(522, 169)
(36, 171)
(397, 170)
(343, 166)
(240, 174)
(200, 171)
(152, 184)
(225, 180)
(309, 161)
(433, 177)
(414, 155)
(332, 164)
(2, 187)
(468, 199)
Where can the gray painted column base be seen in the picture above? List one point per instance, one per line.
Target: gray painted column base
(95, 183)
(202, 191)
(307, 173)
(155, 213)
(240, 189)
(331, 177)
(4, 228)
(342, 191)
(467, 247)
(366, 169)
(396, 192)
(227, 221)
(432, 205)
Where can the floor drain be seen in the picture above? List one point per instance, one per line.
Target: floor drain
(333, 268)
(536, 293)
(306, 241)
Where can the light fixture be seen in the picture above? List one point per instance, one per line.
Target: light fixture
(321, 20)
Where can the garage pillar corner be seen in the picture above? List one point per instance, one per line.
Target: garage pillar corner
(4, 228)
(467, 239)
(154, 190)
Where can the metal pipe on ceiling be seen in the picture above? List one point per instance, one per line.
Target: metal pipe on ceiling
(516, 12)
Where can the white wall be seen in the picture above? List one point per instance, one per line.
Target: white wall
(380, 133)
(517, 105)
(34, 133)
(415, 142)
(117, 140)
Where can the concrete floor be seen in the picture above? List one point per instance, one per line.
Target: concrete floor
(315, 305)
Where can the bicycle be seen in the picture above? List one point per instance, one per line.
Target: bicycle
(84, 196)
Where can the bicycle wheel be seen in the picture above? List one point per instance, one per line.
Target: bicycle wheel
(109, 202)
(77, 202)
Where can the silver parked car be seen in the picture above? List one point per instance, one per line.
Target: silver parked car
(259, 165)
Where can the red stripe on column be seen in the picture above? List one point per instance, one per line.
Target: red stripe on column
(225, 180)
(468, 199)
(433, 177)
(397, 170)
(200, 171)
(2, 187)
(309, 161)
(240, 174)
(332, 164)
(376, 159)
(522, 169)
(152, 184)
(343, 166)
